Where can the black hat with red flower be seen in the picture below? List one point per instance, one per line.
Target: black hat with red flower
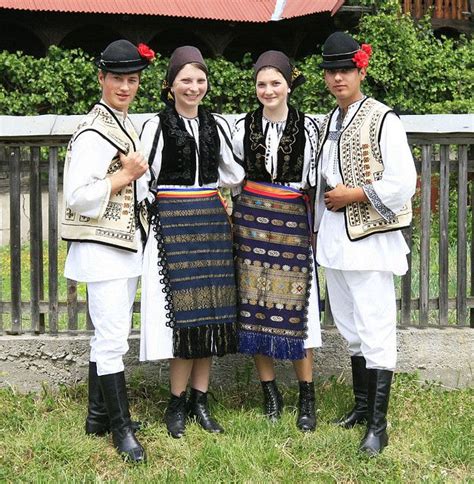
(122, 57)
(341, 51)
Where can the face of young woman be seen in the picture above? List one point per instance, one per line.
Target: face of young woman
(119, 90)
(189, 87)
(271, 88)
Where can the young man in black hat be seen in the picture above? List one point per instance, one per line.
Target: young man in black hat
(366, 178)
(105, 177)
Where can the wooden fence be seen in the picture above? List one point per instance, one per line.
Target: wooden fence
(442, 9)
(33, 150)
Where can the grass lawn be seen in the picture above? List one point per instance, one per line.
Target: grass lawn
(431, 439)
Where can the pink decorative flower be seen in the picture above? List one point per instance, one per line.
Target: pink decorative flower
(146, 52)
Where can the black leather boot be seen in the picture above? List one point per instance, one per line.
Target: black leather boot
(97, 420)
(306, 420)
(272, 400)
(115, 396)
(175, 415)
(376, 438)
(360, 383)
(199, 410)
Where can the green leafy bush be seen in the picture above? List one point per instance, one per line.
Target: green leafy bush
(410, 70)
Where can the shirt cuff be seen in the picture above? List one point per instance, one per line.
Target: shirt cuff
(378, 205)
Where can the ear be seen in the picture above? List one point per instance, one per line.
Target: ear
(101, 78)
(363, 73)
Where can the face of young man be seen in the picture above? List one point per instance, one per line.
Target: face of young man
(344, 84)
(189, 87)
(271, 88)
(119, 90)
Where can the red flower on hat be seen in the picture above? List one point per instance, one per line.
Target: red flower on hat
(146, 52)
(362, 56)
(367, 48)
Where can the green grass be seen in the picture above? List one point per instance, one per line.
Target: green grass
(431, 439)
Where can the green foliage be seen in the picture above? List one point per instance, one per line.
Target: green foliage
(63, 82)
(410, 69)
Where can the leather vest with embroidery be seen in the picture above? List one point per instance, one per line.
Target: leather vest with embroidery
(290, 149)
(118, 224)
(178, 162)
(360, 164)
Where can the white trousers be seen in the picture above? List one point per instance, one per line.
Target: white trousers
(111, 307)
(364, 309)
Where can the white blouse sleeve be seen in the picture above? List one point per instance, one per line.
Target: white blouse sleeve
(310, 149)
(238, 134)
(87, 188)
(398, 182)
(231, 173)
(148, 138)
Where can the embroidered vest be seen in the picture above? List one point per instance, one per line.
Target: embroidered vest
(290, 149)
(178, 164)
(360, 163)
(118, 224)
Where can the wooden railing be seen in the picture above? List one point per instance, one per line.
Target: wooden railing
(442, 9)
(33, 157)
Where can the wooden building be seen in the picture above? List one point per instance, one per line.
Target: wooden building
(218, 27)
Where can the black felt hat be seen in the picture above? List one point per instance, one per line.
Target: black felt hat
(338, 51)
(122, 57)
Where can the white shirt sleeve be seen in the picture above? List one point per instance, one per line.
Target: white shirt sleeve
(147, 139)
(398, 182)
(231, 173)
(238, 139)
(87, 187)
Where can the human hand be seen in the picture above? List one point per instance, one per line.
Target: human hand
(134, 165)
(341, 196)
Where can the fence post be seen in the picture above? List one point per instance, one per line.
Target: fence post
(405, 315)
(472, 254)
(425, 233)
(53, 240)
(461, 307)
(36, 242)
(443, 233)
(15, 240)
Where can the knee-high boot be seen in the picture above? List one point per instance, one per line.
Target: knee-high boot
(360, 383)
(376, 438)
(97, 420)
(115, 396)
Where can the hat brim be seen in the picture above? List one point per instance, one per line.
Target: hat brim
(338, 64)
(122, 68)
